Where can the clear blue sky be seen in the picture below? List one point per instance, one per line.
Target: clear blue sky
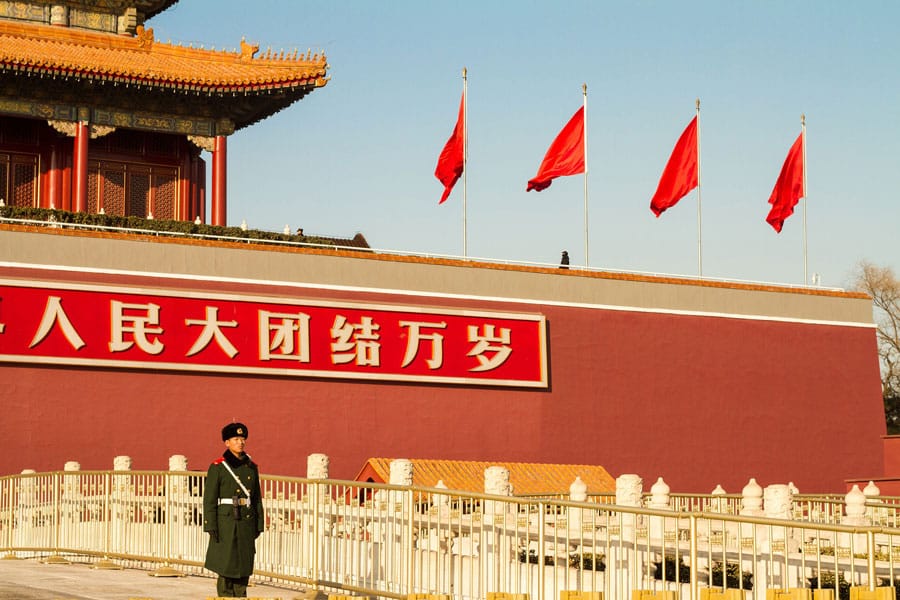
(359, 154)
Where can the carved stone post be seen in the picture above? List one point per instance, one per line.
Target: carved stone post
(70, 502)
(751, 506)
(121, 500)
(577, 493)
(317, 466)
(778, 503)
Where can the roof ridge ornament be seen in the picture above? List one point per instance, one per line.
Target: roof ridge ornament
(144, 37)
(248, 51)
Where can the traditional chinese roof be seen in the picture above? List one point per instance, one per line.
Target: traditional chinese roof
(525, 478)
(40, 62)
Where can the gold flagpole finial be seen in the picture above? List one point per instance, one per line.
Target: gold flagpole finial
(584, 89)
(698, 103)
(464, 72)
(802, 120)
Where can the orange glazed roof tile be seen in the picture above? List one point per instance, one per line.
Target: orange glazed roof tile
(526, 478)
(141, 60)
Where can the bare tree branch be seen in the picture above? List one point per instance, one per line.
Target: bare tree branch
(883, 286)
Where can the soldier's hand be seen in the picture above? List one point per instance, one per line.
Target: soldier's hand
(214, 536)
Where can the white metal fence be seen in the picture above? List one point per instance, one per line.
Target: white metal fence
(393, 541)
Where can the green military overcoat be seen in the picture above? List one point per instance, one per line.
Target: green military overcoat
(232, 555)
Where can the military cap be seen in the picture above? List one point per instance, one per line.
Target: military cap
(234, 430)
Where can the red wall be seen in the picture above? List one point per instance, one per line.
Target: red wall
(699, 401)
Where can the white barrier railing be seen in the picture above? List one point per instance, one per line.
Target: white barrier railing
(393, 541)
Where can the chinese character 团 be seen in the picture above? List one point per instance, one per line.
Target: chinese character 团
(416, 336)
(283, 336)
(211, 329)
(138, 327)
(355, 341)
(483, 343)
(54, 314)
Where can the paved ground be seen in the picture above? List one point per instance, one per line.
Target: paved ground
(33, 580)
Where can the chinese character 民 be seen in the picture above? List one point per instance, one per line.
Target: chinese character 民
(357, 341)
(416, 336)
(139, 327)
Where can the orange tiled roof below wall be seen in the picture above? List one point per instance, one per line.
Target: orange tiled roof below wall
(141, 60)
(525, 478)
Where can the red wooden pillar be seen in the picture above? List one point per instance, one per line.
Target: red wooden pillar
(218, 181)
(185, 174)
(79, 168)
(54, 179)
(201, 189)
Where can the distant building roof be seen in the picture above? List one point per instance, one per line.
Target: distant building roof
(468, 476)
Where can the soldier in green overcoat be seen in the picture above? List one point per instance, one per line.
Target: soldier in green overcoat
(232, 513)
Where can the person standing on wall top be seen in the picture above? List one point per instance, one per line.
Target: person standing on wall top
(232, 513)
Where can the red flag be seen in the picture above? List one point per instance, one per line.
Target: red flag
(681, 173)
(565, 155)
(789, 187)
(450, 162)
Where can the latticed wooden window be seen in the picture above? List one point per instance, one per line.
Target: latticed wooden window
(113, 191)
(164, 183)
(93, 192)
(24, 181)
(138, 191)
(4, 176)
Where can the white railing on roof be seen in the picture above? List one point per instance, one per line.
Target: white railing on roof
(473, 259)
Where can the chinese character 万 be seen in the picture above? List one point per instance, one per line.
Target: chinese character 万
(416, 336)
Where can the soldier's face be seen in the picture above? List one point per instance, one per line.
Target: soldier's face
(236, 445)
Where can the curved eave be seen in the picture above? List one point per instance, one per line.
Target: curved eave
(177, 85)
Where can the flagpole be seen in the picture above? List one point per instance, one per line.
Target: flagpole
(699, 218)
(586, 253)
(465, 156)
(805, 199)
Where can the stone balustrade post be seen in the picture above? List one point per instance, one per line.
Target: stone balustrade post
(28, 516)
(778, 503)
(629, 492)
(69, 499)
(317, 466)
(659, 495)
(854, 515)
(178, 492)
(121, 500)
(874, 514)
(659, 500)
(751, 506)
(577, 493)
(752, 499)
(496, 483)
(719, 503)
(178, 462)
(854, 507)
